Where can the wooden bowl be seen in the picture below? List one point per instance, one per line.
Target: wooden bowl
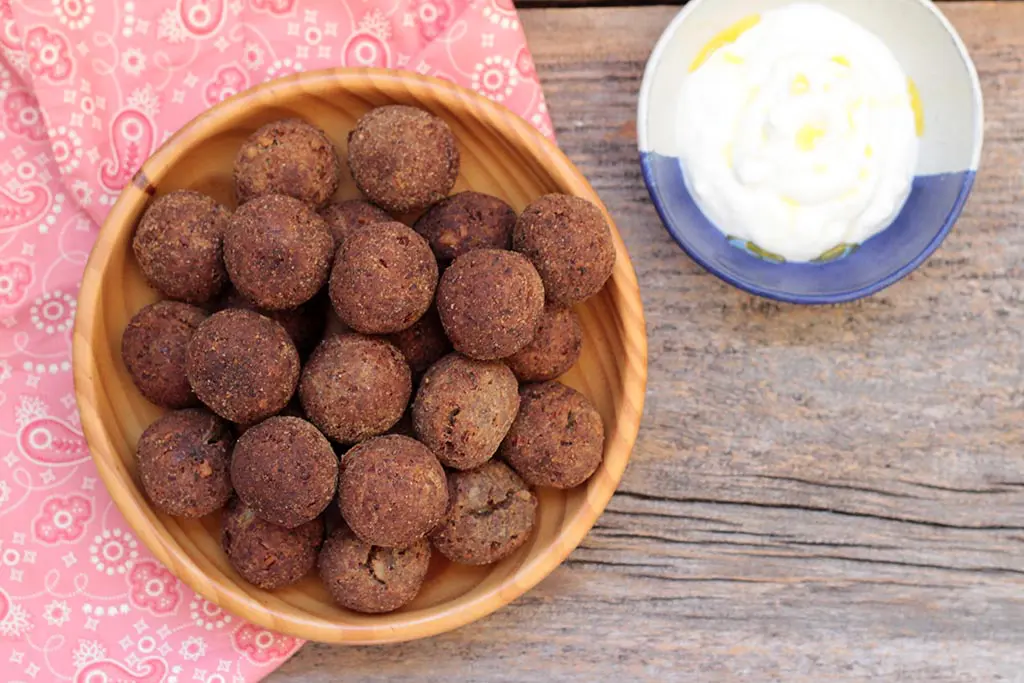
(501, 155)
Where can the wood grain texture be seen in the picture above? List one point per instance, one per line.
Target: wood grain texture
(816, 494)
(501, 155)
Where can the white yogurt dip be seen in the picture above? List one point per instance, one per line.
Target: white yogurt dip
(798, 132)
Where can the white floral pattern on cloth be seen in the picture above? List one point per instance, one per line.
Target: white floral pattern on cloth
(88, 90)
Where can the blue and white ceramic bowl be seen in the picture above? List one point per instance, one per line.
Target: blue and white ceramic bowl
(932, 55)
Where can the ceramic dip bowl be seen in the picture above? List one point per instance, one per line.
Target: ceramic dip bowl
(934, 58)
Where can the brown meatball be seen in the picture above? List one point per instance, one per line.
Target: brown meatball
(464, 408)
(154, 346)
(467, 221)
(490, 302)
(557, 439)
(267, 555)
(392, 491)
(285, 470)
(355, 387)
(242, 365)
(368, 578)
(554, 349)
(278, 252)
(383, 279)
(344, 218)
(293, 409)
(424, 343)
(179, 245)
(491, 513)
(403, 158)
(183, 462)
(569, 241)
(304, 324)
(287, 157)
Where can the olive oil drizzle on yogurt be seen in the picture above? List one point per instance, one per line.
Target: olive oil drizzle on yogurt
(798, 133)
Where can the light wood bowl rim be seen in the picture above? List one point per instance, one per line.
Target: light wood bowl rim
(460, 102)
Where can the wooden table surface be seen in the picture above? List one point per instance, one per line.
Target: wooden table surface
(816, 494)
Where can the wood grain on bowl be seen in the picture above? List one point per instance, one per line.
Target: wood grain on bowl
(501, 155)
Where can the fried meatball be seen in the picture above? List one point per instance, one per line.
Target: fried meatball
(267, 555)
(304, 324)
(368, 578)
(289, 157)
(293, 409)
(285, 470)
(355, 387)
(346, 217)
(554, 349)
(242, 365)
(490, 302)
(557, 438)
(183, 461)
(491, 513)
(278, 252)
(424, 343)
(402, 158)
(392, 491)
(154, 347)
(570, 243)
(464, 408)
(179, 246)
(467, 221)
(383, 279)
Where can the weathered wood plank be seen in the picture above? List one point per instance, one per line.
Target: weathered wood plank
(816, 493)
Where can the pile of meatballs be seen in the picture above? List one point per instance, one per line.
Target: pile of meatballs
(333, 372)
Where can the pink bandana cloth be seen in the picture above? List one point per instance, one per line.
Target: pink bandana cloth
(88, 90)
